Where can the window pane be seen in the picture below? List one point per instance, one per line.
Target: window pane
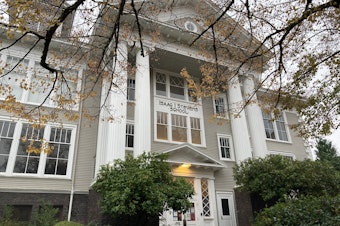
(179, 128)
(129, 135)
(162, 132)
(160, 84)
(57, 160)
(177, 87)
(3, 163)
(28, 153)
(205, 197)
(50, 166)
(20, 165)
(131, 89)
(32, 165)
(15, 77)
(281, 128)
(268, 125)
(62, 167)
(195, 130)
(5, 146)
(179, 134)
(224, 147)
(225, 207)
(41, 84)
(162, 125)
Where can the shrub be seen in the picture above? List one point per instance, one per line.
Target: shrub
(306, 211)
(7, 218)
(46, 216)
(68, 223)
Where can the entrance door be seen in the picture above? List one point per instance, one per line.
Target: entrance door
(225, 206)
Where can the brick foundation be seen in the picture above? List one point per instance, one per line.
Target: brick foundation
(244, 211)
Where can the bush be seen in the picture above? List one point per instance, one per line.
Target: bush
(306, 211)
(68, 223)
(46, 216)
(7, 218)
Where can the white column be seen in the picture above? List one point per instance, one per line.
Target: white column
(112, 121)
(255, 121)
(117, 129)
(238, 122)
(102, 128)
(142, 136)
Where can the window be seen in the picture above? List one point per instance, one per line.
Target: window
(287, 155)
(22, 213)
(172, 86)
(41, 83)
(195, 130)
(131, 87)
(275, 129)
(14, 80)
(225, 147)
(225, 207)
(129, 135)
(30, 83)
(57, 160)
(50, 149)
(205, 197)
(177, 87)
(162, 125)
(160, 84)
(179, 128)
(6, 139)
(30, 138)
(220, 106)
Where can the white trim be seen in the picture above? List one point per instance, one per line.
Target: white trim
(231, 147)
(32, 59)
(287, 154)
(43, 156)
(277, 138)
(226, 112)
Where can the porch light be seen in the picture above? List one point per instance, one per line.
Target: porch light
(186, 165)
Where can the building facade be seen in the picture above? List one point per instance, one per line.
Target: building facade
(152, 111)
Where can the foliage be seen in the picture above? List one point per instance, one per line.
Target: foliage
(67, 223)
(327, 152)
(309, 210)
(46, 216)
(297, 41)
(141, 185)
(7, 217)
(276, 177)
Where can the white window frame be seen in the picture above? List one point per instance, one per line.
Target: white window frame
(195, 110)
(29, 77)
(188, 130)
(131, 87)
(231, 147)
(43, 156)
(130, 123)
(167, 86)
(285, 154)
(276, 131)
(223, 96)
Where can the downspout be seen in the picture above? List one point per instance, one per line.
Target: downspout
(75, 161)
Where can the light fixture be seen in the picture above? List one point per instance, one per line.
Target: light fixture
(186, 165)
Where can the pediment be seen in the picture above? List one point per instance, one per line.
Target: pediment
(188, 154)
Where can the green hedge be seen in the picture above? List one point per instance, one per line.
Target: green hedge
(68, 223)
(306, 211)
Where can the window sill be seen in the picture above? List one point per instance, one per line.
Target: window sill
(227, 160)
(279, 141)
(17, 175)
(174, 142)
